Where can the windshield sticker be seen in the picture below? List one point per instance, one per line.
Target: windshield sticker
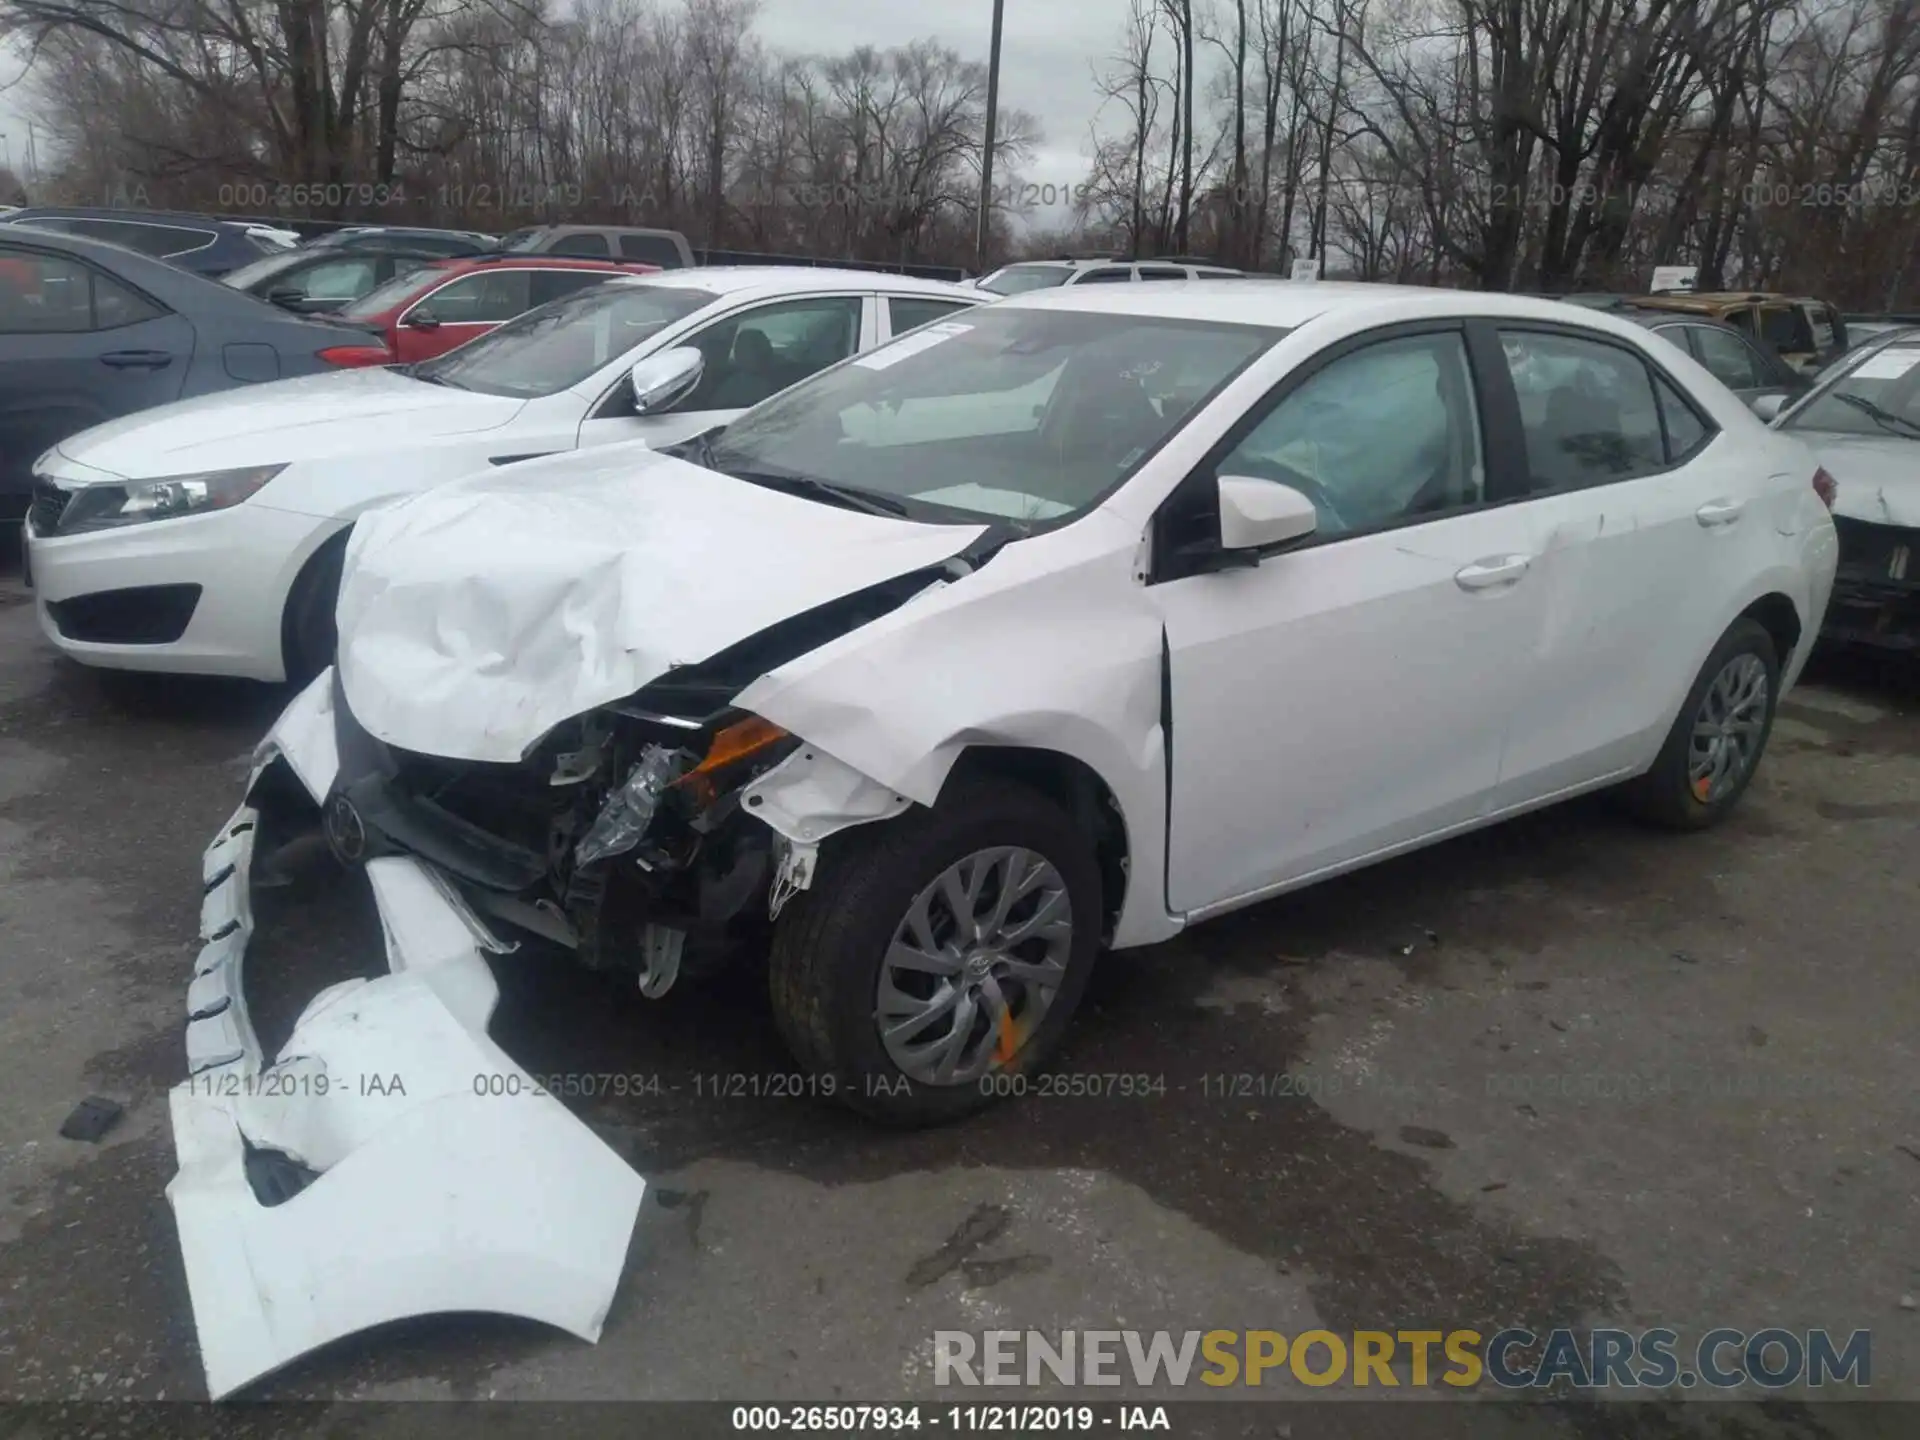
(1888, 364)
(915, 342)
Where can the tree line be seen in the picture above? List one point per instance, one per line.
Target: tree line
(1537, 144)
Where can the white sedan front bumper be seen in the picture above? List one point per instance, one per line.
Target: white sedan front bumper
(442, 1178)
(242, 560)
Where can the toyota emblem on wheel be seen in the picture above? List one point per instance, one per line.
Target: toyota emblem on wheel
(346, 832)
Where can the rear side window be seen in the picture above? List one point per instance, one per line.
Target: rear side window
(1728, 358)
(651, 250)
(54, 295)
(1786, 329)
(589, 243)
(1826, 330)
(484, 298)
(1587, 410)
(911, 313)
(1686, 432)
(552, 284)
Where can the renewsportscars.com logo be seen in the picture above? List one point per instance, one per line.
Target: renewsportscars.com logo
(1512, 1359)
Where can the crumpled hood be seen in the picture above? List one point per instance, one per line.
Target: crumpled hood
(1878, 479)
(285, 420)
(476, 616)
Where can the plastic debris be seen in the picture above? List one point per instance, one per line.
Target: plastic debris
(92, 1118)
(629, 810)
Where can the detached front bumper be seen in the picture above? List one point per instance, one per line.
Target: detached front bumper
(392, 1160)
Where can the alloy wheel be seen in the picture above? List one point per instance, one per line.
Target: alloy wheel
(974, 965)
(1728, 728)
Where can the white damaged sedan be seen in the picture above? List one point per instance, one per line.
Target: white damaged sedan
(1062, 624)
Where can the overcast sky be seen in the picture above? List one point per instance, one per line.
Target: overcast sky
(1048, 50)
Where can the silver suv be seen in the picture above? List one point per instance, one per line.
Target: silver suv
(1043, 274)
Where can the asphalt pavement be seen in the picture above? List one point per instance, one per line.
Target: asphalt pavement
(1566, 1071)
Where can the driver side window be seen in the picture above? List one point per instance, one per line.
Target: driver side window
(763, 351)
(1384, 435)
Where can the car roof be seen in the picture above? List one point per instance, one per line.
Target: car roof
(1289, 304)
(105, 212)
(515, 260)
(800, 280)
(1709, 300)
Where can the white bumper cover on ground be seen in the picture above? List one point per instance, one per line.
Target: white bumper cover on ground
(446, 1181)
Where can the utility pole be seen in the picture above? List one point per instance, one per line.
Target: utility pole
(986, 153)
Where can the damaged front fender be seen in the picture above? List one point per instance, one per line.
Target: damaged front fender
(393, 1161)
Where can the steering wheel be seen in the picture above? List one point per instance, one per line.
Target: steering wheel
(1328, 517)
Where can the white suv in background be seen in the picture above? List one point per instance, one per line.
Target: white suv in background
(1046, 274)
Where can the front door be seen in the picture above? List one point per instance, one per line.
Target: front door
(750, 355)
(1351, 695)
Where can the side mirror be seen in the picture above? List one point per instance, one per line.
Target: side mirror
(1768, 406)
(1259, 514)
(662, 381)
(287, 297)
(422, 319)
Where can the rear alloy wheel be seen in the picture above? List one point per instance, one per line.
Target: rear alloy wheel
(1715, 745)
(939, 953)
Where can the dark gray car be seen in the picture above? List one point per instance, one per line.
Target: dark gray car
(91, 331)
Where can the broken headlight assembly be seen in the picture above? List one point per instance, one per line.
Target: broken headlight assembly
(130, 502)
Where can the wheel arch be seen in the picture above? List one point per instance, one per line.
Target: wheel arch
(331, 540)
(1080, 790)
(1780, 618)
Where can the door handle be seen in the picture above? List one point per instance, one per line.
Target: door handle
(1494, 573)
(1716, 513)
(137, 359)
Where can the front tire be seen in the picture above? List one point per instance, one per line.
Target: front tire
(938, 954)
(307, 636)
(1715, 746)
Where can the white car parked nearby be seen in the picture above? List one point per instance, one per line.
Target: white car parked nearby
(1065, 623)
(206, 536)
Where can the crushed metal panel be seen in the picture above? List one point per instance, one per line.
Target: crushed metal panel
(437, 1177)
(1029, 652)
(479, 615)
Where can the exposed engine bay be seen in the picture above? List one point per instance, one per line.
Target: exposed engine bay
(624, 833)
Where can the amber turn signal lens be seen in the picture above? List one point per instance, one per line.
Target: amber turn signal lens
(736, 742)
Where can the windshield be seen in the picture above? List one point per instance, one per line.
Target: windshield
(1017, 279)
(397, 291)
(1879, 394)
(1021, 415)
(559, 344)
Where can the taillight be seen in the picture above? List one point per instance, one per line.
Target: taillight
(1824, 486)
(357, 355)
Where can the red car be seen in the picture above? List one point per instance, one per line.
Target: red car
(428, 311)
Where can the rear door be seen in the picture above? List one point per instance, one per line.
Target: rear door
(1644, 521)
(77, 347)
(750, 354)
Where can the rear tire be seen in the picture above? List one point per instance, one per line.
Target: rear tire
(307, 635)
(877, 883)
(1719, 737)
